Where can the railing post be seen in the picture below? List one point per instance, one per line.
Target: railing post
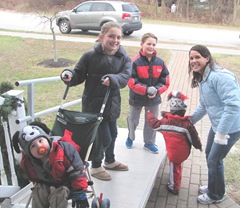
(15, 115)
(7, 190)
(31, 101)
(10, 155)
(3, 175)
(13, 127)
(2, 170)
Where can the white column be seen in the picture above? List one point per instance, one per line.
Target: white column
(19, 113)
(14, 115)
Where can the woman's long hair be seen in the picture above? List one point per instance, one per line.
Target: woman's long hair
(197, 77)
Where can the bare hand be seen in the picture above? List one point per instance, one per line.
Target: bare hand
(66, 76)
(106, 81)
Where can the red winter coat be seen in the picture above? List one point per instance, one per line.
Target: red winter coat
(63, 167)
(147, 73)
(179, 134)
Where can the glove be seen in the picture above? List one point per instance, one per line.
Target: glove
(66, 75)
(151, 90)
(79, 199)
(221, 138)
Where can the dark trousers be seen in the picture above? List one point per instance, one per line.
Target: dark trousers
(108, 134)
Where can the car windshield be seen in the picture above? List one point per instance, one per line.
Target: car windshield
(130, 8)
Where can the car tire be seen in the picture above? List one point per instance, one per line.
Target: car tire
(127, 33)
(64, 27)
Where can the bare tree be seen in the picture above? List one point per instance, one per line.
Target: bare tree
(187, 10)
(235, 6)
(45, 20)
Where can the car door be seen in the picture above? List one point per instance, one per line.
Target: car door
(99, 10)
(80, 17)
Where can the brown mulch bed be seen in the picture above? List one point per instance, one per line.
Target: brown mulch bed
(61, 62)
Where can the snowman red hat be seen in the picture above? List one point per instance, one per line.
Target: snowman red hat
(177, 101)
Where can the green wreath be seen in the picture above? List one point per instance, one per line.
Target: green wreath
(10, 104)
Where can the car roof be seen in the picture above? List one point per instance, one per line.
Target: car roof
(122, 2)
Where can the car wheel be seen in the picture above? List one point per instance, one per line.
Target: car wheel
(127, 33)
(64, 27)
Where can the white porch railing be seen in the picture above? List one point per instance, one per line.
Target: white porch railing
(16, 121)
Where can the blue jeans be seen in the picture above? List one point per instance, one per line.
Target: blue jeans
(108, 137)
(215, 153)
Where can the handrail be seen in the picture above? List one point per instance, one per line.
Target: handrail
(30, 83)
(40, 80)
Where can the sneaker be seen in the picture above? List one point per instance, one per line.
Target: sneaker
(101, 174)
(203, 189)
(116, 166)
(175, 192)
(151, 148)
(204, 199)
(129, 143)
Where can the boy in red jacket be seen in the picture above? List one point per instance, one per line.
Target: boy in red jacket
(179, 135)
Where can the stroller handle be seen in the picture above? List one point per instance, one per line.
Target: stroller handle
(66, 91)
(104, 100)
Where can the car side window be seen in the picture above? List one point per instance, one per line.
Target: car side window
(84, 8)
(97, 7)
(100, 7)
(109, 7)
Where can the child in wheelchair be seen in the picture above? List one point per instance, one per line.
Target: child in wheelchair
(54, 166)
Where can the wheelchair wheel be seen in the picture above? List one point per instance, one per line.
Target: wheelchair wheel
(105, 203)
(95, 203)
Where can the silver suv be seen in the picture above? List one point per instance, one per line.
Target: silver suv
(91, 15)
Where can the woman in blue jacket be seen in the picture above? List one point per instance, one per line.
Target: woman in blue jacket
(220, 100)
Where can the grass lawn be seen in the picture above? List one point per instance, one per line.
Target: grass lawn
(19, 58)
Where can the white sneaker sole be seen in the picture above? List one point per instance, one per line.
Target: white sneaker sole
(210, 202)
(214, 202)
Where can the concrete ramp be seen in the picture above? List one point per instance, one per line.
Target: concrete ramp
(131, 189)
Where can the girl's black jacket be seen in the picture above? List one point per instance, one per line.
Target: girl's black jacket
(91, 68)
